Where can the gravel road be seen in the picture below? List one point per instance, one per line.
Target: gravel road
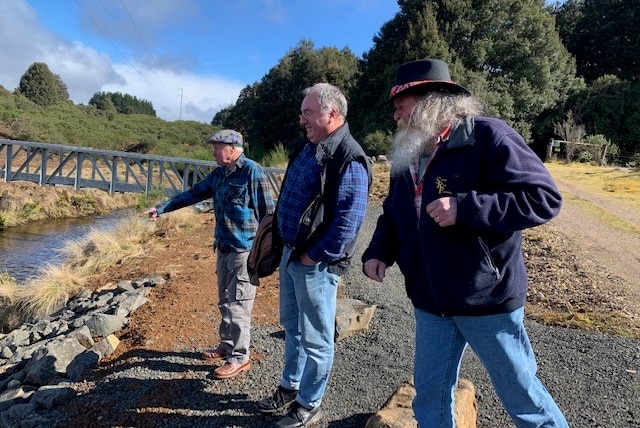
(593, 377)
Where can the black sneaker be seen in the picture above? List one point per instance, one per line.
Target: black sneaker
(279, 402)
(299, 416)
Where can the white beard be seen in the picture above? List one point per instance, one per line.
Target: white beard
(408, 144)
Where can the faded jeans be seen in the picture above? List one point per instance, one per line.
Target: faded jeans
(307, 312)
(235, 301)
(502, 344)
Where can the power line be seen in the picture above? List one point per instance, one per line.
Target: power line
(107, 37)
(157, 68)
(113, 43)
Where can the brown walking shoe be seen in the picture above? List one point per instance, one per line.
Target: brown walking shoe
(230, 369)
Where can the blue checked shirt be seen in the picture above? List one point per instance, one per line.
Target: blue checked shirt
(300, 187)
(240, 199)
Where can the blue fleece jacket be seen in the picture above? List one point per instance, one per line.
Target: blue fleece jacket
(474, 267)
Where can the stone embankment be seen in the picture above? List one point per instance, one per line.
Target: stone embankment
(38, 361)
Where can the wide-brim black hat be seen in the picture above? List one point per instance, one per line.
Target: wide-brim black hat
(422, 76)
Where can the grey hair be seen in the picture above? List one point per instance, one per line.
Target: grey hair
(329, 96)
(436, 110)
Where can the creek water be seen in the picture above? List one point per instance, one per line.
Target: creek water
(25, 250)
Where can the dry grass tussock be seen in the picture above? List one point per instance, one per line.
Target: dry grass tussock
(94, 254)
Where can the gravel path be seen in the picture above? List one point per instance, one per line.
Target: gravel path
(593, 377)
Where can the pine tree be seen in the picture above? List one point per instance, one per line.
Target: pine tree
(39, 85)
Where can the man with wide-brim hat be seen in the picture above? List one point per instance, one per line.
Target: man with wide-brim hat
(241, 195)
(471, 185)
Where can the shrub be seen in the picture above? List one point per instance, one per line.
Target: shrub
(278, 157)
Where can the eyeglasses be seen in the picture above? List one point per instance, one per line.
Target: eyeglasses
(308, 114)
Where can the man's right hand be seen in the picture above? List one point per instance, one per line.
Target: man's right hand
(374, 269)
(152, 213)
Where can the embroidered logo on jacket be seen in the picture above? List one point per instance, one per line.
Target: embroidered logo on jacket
(441, 185)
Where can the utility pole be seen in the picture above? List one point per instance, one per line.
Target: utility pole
(181, 95)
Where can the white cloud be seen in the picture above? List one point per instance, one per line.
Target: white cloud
(201, 96)
(86, 71)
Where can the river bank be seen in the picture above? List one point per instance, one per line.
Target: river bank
(22, 202)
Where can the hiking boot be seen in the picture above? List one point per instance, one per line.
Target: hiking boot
(279, 402)
(300, 416)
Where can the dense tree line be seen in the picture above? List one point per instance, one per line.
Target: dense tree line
(517, 55)
(265, 112)
(121, 103)
(604, 38)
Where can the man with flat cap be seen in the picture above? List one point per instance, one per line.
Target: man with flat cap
(241, 196)
(463, 187)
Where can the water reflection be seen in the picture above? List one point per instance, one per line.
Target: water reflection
(24, 250)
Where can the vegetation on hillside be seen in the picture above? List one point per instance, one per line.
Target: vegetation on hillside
(533, 64)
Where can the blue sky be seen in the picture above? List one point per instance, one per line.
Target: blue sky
(190, 58)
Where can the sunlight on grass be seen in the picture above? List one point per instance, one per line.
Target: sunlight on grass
(8, 289)
(177, 222)
(621, 183)
(100, 250)
(10, 219)
(49, 292)
(278, 157)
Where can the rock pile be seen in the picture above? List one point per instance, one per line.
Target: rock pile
(39, 360)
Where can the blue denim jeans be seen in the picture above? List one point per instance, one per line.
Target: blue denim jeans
(307, 312)
(502, 344)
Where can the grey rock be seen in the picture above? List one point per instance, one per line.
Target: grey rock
(104, 324)
(81, 363)
(83, 336)
(125, 286)
(52, 361)
(352, 316)
(49, 396)
(24, 416)
(12, 397)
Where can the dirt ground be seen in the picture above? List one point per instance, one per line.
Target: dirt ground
(580, 272)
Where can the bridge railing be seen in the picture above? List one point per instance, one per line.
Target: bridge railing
(109, 170)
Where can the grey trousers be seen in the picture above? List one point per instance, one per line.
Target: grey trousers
(235, 301)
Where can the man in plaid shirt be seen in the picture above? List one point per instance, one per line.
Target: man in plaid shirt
(241, 197)
(321, 207)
